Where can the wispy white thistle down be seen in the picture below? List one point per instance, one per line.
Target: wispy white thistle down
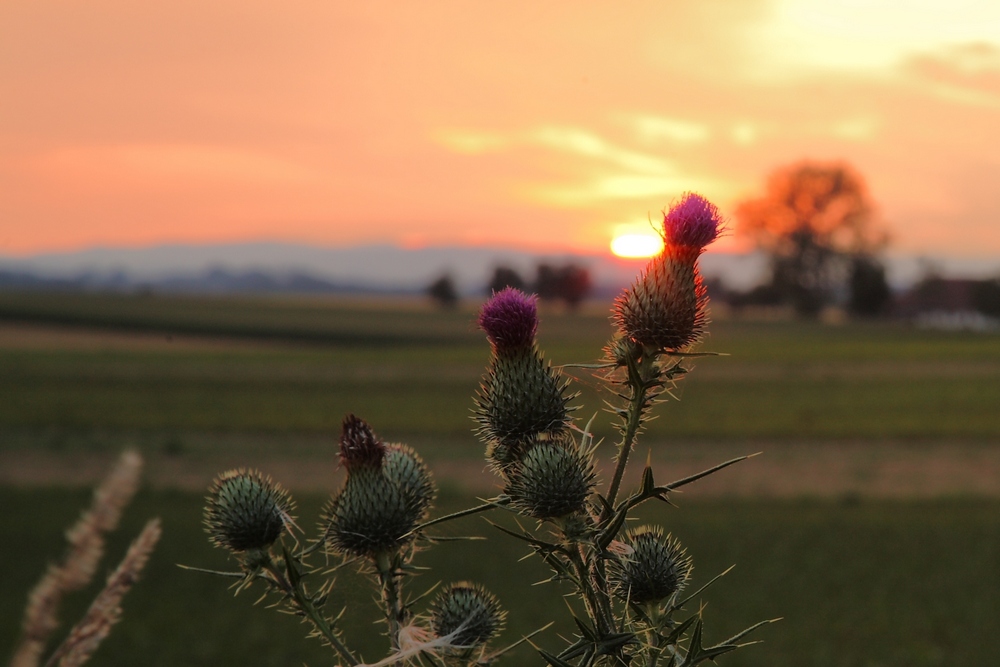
(416, 640)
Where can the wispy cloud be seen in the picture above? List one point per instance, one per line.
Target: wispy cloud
(595, 168)
(652, 128)
(966, 74)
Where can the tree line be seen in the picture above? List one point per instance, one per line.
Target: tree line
(567, 283)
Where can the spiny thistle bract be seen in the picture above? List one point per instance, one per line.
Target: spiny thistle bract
(246, 511)
(388, 492)
(651, 568)
(553, 479)
(469, 609)
(666, 308)
(520, 395)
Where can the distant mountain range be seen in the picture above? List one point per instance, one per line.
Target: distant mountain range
(289, 267)
(286, 267)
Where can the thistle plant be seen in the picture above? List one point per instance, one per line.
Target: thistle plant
(631, 584)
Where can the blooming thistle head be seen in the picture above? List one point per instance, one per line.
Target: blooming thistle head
(387, 493)
(468, 611)
(649, 566)
(359, 448)
(693, 222)
(246, 511)
(510, 320)
(666, 309)
(520, 395)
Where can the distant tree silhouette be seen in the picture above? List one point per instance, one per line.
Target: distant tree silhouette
(569, 283)
(443, 292)
(814, 220)
(547, 282)
(869, 290)
(986, 297)
(504, 277)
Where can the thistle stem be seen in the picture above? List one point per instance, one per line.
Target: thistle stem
(590, 597)
(639, 374)
(315, 616)
(652, 639)
(395, 612)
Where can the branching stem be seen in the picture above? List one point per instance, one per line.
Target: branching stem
(641, 375)
(302, 600)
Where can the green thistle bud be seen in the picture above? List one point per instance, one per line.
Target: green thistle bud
(650, 567)
(246, 511)
(520, 397)
(552, 479)
(619, 349)
(379, 506)
(503, 457)
(470, 610)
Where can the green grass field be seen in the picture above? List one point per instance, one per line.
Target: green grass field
(300, 365)
(888, 584)
(859, 582)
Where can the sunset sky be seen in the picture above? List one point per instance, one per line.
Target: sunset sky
(549, 126)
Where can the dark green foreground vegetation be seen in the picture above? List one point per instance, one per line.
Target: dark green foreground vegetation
(297, 365)
(886, 584)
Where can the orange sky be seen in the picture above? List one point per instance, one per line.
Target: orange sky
(518, 123)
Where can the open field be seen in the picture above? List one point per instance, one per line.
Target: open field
(871, 523)
(281, 366)
(894, 584)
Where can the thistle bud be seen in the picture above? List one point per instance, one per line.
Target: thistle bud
(650, 567)
(552, 479)
(388, 492)
(469, 611)
(246, 511)
(520, 395)
(666, 307)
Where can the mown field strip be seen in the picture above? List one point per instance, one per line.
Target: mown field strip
(825, 470)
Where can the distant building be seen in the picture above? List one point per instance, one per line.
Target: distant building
(951, 303)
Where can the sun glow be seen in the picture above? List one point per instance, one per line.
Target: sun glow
(633, 244)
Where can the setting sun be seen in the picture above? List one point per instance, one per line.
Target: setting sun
(636, 245)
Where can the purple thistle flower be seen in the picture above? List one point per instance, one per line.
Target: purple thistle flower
(693, 221)
(510, 319)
